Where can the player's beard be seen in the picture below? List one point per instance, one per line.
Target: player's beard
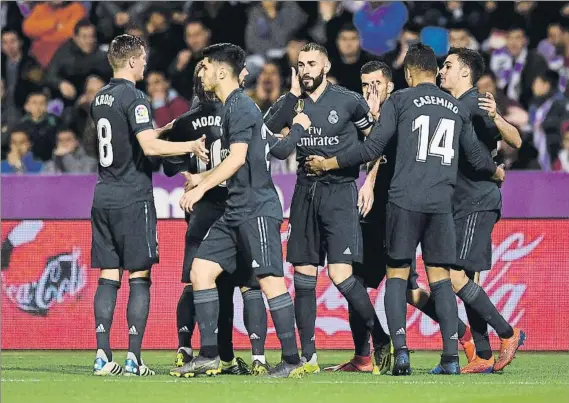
(314, 83)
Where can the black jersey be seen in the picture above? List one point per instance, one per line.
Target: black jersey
(203, 118)
(474, 190)
(430, 125)
(120, 112)
(251, 190)
(336, 118)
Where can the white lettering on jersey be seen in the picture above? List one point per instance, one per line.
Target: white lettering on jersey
(104, 99)
(438, 101)
(207, 121)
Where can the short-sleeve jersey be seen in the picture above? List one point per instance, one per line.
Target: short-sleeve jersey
(251, 190)
(120, 112)
(336, 118)
(475, 191)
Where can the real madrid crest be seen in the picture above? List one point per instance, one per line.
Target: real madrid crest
(333, 117)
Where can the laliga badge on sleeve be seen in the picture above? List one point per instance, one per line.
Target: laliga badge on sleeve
(141, 114)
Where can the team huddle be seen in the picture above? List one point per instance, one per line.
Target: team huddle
(431, 180)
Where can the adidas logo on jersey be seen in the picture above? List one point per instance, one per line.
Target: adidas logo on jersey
(347, 251)
(100, 329)
(400, 332)
(132, 331)
(254, 336)
(254, 265)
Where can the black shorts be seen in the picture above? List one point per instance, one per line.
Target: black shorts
(205, 214)
(257, 240)
(374, 265)
(407, 229)
(125, 237)
(324, 222)
(474, 240)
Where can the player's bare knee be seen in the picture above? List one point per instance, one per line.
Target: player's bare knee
(139, 274)
(272, 286)
(244, 289)
(398, 272)
(204, 273)
(458, 279)
(437, 273)
(414, 297)
(338, 272)
(308, 270)
(111, 274)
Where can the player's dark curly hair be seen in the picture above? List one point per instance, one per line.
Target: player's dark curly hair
(227, 53)
(375, 65)
(203, 95)
(421, 57)
(470, 59)
(122, 48)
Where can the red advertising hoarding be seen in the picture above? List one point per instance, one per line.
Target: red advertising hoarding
(48, 286)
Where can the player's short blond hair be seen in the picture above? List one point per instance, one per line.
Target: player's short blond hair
(122, 48)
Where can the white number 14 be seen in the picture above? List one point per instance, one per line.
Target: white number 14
(444, 134)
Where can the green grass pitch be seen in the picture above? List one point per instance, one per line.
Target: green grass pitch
(65, 377)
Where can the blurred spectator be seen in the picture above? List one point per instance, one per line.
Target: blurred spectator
(561, 164)
(218, 16)
(69, 156)
(49, 25)
(549, 108)
(552, 48)
(511, 110)
(270, 25)
(394, 58)
(290, 59)
(167, 104)
(268, 88)
(20, 160)
(197, 36)
(10, 116)
(76, 60)
(460, 37)
(516, 66)
(346, 67)
(75, 117)
(380, 24)
(39, 125)
(115, 16)
(21, 73)
(164, 37)
(331, 17)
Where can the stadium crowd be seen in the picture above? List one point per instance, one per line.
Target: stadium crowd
(54, 62)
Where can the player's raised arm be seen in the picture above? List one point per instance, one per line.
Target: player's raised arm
(362, 117)
(280, 114)
(367, 151)
(508, 132)
(282, 148)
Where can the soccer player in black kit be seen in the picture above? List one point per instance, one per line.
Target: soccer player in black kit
(324, 218)
(429, 126)
(204, 118)
(377, 86)
(252, 218)
(477, 202)
(123, 217)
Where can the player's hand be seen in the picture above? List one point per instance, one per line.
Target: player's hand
(373, 100)
(190, 198)
(488, 103)
(315, 165)
(67, 89)
(197, 147)
(294, 83)
(500, 174)
(183, 59)
(365, 198)
(303, 120)
(192, 180)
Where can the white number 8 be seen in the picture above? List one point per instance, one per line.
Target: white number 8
(105, 135)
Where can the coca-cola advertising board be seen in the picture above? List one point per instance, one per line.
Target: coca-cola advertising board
(48, 289)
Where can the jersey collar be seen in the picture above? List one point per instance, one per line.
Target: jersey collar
(121, 81)
(328, 85)
(468, 92)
